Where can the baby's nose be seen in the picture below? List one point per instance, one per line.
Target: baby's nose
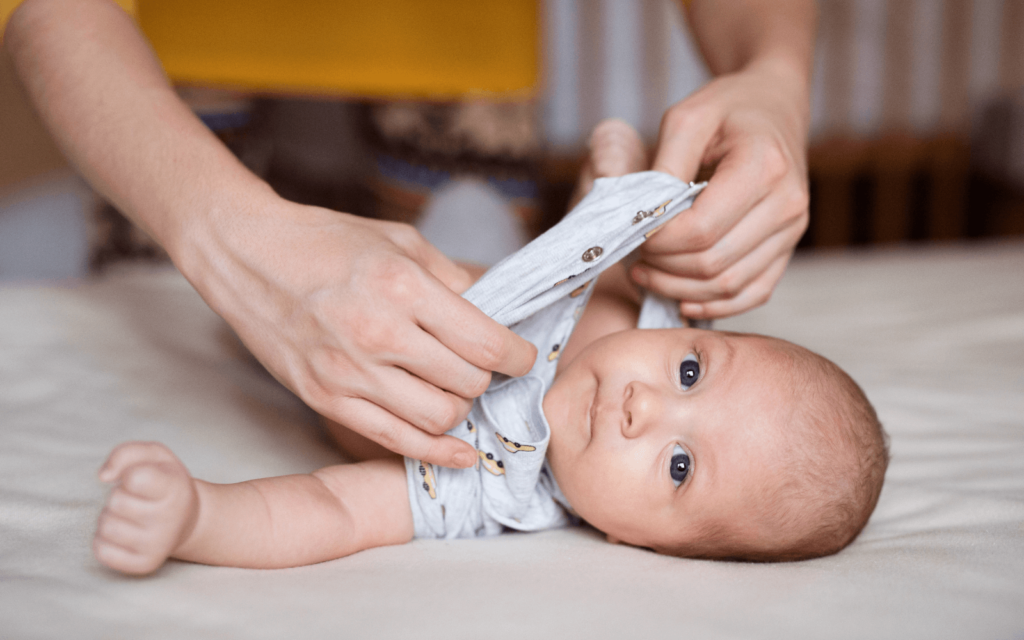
(641, 408)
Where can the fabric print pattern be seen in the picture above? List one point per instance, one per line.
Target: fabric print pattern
(512, 487)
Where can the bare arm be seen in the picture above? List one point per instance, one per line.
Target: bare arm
(156, 510)
(297, 520)
(360, 318)
(728, 252)
(736, 34)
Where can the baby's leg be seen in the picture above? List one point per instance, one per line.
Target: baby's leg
(151, 510)
(615, 150)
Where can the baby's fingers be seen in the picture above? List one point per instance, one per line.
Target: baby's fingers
(130, 507)
(123, 559)
(132, 453)
(114, 529)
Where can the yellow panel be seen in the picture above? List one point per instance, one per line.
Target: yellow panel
(378, 48)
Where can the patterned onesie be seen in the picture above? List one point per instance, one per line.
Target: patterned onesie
(540, 292)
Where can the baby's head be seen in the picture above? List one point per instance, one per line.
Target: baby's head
(715, 445)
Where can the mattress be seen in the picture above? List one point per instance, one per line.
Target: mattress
(934, 334)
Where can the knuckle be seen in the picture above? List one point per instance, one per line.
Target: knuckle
(803, 221)
(390, 437)
(728, 285)
(798, 201)
(702, 234)
(373, 337)
(493, 350)
(762, 294)
(710, 264)
(774, 163)
(405, 235)
(477, 383)
(399, 281)
(441, 418)
(678, 118)
(463, 407)
(141, 478)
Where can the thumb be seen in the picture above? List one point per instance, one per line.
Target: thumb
(682, 143)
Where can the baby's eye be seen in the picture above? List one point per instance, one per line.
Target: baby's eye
(689, 371)
(680, 466)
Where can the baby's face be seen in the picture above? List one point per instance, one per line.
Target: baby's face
(656, 433)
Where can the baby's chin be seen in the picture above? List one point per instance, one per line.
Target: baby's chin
(602, 514)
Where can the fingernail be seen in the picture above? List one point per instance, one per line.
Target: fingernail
(463, 460)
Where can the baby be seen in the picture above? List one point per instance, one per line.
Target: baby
(688, 442)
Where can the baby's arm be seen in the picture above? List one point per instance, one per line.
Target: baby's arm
(157, 510)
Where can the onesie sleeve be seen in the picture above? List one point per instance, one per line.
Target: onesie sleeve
(446, 503)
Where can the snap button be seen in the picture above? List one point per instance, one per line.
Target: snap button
(591, 254)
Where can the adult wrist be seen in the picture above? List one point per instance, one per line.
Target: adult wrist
(790, 81)
(213, 220)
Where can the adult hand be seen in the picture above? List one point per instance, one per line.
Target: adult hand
(726, 254)
(361, 319)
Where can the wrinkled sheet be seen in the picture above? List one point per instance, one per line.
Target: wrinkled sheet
(935, 336)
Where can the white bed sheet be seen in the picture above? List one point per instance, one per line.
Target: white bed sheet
(934, 335)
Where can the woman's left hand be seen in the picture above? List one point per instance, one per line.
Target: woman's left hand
(725, 255)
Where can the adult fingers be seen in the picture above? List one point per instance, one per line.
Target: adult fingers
(754, 295)
(728, 284)
(683, 138)
(430, 257)
(389, 431)
(782, 211)
(742, 179)
(456, 323)
(429, 360)
(474, 337)
(415, 401)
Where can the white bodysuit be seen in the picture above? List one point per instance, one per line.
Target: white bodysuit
(540, 292)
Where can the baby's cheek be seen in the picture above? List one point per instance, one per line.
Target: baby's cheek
(593, 493)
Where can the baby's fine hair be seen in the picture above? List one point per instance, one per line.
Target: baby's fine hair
(832, 481)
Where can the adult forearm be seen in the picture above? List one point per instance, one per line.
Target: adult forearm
(736, 34)
(102, 93)
(360, 318)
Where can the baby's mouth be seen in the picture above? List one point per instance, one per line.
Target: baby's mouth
(592, 411)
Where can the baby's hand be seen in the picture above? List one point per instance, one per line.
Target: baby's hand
(151, 510)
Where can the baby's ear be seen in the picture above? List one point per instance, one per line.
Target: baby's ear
(612, 539)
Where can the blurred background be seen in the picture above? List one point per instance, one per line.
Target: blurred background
(470, 119)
